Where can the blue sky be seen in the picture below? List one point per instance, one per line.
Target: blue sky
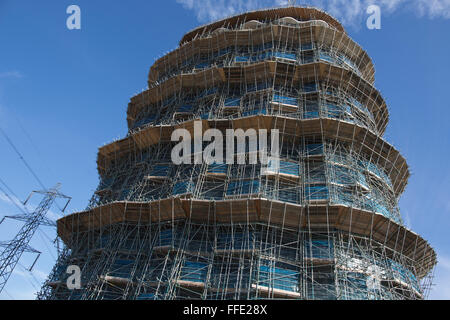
(64, 93)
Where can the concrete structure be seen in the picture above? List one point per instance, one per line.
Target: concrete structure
(324, 225)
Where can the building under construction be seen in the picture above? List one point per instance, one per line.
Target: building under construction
(323, 224)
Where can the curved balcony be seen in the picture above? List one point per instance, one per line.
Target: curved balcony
(192, 89)
(299, 14)
(224, 47)
(266, 212)
(386, 163)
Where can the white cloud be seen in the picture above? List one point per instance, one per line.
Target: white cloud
(39, 275)
(5, 199)
(407, 219)
(18, 294)
(349, 12)
(207, 10)
(11, 74)
(53, 216)
(434, 8)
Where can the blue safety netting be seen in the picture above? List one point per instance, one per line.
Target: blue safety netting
(321, 287)
(232, 102)
(259, 86)
(186, 62)
(278, 277)
(123, 194)
(183, 188)
(371, 204)
(76, 295)
(376, 171)
(287, 167)
(362, 180)
(169, 101)
(166, 238)
(313, 149)
(361, 107)
(345, 197)
(185, 108)
(350, 63)
(194, 271)
(202, 65)
(121, 268)
(356, 286)
(311, 110)
(146, 120)
(235, 241)
(307, 58)
(341, 175)
(288, 194)
(310, 87)
(324, 56)
(207, 92)
(160, 170)
(285, 55)
(346, 176)
(214, 191)
(404, 274)
(319, 249)
(146, 296)
(307, 46)
(285, 100)
(242, 59)
(205, 116)
(337, 111)
(224, 51)
(218, 168)
(242, 187)
(316, 192)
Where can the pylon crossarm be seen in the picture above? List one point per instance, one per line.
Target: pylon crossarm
(24, 217)
(14, 249)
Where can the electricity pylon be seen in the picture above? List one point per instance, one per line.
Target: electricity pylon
(14, 249)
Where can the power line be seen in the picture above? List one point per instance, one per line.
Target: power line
(13, 201)
(14, 249)
(41, 233)
(8, 188)
(38, 152)
(25, 163)
(22, 158)
(25, 271)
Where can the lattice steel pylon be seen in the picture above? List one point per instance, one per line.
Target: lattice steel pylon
(14, 249)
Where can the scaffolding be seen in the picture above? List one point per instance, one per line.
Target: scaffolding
(323, 224)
